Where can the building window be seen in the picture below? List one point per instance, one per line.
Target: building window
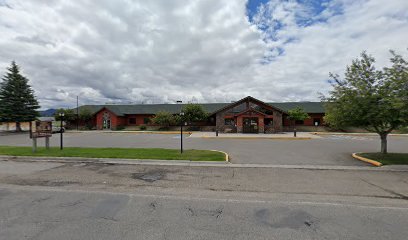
(146, 120)
(299, 122)
(229, 122)
(132, 120)
(268, 121)
(263, 110)
(316, 121)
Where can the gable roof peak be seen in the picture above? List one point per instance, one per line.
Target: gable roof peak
(245, 99)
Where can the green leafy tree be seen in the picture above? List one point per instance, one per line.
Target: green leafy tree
(17, 100)
(376, 100)
(164, 119)
(85, 114)
(69, 114)
(193, 113)
(297, 114)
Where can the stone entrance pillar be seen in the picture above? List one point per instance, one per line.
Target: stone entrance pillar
(261, 124)
(277, 121)
(220, 121)
(239, 124)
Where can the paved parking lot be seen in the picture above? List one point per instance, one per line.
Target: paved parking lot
(328, 150)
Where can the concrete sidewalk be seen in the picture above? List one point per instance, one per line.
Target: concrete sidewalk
(284, 135)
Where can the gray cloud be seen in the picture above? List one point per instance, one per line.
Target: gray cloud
(205, 50)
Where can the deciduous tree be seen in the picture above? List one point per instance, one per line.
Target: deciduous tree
(194, 113)
(164, 119)
(297, 114)
(69, 114)
(376, 100)
(85, 114)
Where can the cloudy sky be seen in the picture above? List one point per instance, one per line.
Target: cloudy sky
(156, 51)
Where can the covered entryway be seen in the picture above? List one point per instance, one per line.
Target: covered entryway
(106, 121)
(247, 116)
(250, 125)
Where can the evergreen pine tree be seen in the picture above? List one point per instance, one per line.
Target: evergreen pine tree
(17, 100)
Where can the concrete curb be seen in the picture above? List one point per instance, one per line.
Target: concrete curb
(258, 138)
(373, 162)
(182, 163)
(227, 158)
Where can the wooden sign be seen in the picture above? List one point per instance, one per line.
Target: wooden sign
(39, 129)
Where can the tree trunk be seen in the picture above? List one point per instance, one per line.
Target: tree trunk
(18, 127)
(294, 131)
(383, 137)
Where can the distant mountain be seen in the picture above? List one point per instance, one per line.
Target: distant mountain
(48, 113)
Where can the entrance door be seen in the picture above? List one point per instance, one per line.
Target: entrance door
(250, 125)
(106, 121)
(107, 124)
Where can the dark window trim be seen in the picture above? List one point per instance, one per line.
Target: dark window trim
(131, 122)
(231, 120)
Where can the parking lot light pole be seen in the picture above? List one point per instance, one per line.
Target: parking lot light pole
(61, 130)
(77, 114)
(181, 132)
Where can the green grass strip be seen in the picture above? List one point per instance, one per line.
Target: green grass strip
(387, 159)
(129, 153)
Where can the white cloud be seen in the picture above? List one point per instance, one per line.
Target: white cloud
(162, 51)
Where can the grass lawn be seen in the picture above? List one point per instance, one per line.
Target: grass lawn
(387, 159)
(131, 153)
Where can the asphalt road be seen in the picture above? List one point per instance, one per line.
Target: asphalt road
(97, 201)
(44, 214)
(328, 150)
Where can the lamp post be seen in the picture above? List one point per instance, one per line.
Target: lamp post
(181, 132)
(77, 114)
(181, 126)
(61, 130)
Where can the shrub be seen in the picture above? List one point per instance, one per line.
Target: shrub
(193, 128)
(164, 119)
(143, 128)
(403, 130)
(120, 127)
(88, 126)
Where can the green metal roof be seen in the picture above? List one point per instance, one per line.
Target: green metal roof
(309, 107)
(121, 110)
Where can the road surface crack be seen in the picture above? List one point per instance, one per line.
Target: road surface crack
(400, 196)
